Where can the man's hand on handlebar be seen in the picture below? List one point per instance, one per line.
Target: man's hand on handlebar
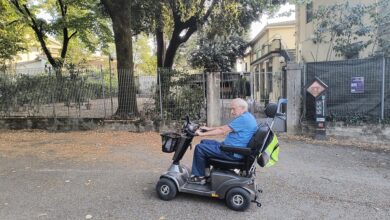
(198, 132)
(204, 129)
(201, 131)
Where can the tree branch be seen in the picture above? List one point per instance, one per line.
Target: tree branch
(208, 12)
(40, 35)
(72, 35)
(190, 31)
(175, 12)
(62, 8)
(191, 25)
(65, 32)
(12, 22)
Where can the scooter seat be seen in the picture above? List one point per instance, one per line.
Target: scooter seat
(226, 164)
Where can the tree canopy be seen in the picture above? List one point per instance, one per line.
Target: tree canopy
(12, 34)
(218, 53)
(63, 20)
(175, 21)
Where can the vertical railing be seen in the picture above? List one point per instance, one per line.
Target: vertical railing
(387, 89)
(383, 88)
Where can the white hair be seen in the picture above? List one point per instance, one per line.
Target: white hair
(241, 103)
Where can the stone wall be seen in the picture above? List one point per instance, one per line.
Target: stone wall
(55, 124)
(79, 124)
(364, 133)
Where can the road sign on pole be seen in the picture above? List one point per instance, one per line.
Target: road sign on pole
(317, 89)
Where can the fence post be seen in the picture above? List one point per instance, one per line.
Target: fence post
(160, 93)
(213, 99)
(303, 91)
(252, 84)
(383, 88)
(109, 66)
(294, 97)
(252, 89)
(104, 97)
(52, 94)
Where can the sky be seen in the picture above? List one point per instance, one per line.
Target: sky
(256, 27)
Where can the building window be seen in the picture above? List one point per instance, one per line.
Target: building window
(309, 12)
(258, 54)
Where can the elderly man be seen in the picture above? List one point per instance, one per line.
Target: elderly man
(240, 129)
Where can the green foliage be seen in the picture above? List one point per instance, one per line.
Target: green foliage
(37, 90)
(177, 20)
(356, 118)
(218, 53)
(351, 28)
(63, 20)
(184, 97)
(231, 17)
(145, 62)
(143, 16)
(16, 91)
(380, 18)
(343, 26)
(85, 17)
(11, 32)
(77, 55)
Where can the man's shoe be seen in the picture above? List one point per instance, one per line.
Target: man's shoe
(200, 180)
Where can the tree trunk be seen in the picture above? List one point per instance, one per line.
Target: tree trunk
(168, 57)
(174, 44)
(119, 11)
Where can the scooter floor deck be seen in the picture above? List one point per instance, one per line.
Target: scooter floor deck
(192, 188)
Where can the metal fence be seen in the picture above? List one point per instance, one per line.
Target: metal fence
(114, 94)
(272, 86)
(357, 89)
(239, 85)
(101, 93)
(181, 93)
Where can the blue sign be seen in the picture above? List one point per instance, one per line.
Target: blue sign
(357, 85)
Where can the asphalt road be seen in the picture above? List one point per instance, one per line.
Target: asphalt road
(309, 182)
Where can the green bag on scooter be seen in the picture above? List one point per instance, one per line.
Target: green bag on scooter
(270, 155)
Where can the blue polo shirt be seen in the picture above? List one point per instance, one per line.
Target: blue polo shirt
(243, 127)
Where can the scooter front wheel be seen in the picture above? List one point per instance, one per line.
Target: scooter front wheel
(238, 199)
(166, 189)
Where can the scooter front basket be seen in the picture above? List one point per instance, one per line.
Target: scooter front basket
(170, 140)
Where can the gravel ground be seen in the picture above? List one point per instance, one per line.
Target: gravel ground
(112, 175)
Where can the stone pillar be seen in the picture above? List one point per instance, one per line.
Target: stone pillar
(213, 99)
(294, 97)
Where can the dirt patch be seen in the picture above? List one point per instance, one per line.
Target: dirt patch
(336, 142)
(76, 145)
(114, 146)
(88, 146)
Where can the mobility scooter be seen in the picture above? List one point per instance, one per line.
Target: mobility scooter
(234, 181)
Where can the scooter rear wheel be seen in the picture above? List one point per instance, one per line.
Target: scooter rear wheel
(238, 199)
(166, 189)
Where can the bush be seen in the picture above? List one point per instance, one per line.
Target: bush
(37, 90)
(182, 95)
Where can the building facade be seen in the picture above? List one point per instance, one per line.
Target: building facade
(270, 50)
